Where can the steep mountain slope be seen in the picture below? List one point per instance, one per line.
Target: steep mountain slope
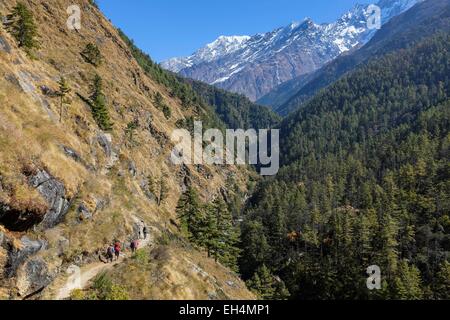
(68, 189)
(418, 22)
(365, 182)
(267, 60)
(237, 111)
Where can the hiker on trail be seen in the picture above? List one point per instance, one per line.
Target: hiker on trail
(110, 254)
(117, 249)
(145, 231)
(134, 245)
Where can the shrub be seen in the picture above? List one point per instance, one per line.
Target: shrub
(98, 105)
(166, 111)
(106, 289)
(92, 55)
(141, 256)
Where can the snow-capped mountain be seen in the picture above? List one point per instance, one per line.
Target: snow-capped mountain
(215, 50)
(255, 65)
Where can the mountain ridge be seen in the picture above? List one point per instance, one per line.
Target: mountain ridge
(402, 30)
(269, 59)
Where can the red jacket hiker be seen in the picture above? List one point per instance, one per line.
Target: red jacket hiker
(117, 249)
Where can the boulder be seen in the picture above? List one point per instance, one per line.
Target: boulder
(17, 255)
(54, 193)
(34, 276)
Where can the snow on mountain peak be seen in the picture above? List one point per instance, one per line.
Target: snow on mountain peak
(223, 45)
(254, 65)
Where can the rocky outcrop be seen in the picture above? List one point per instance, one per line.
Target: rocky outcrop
(84, 213)
(19, 253)
(54, 192)
(4, 46)
(19, 219)
(105, 141)
(262, 62)
(22, 265)
(34, 276)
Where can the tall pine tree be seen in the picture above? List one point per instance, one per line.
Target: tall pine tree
(98, 105)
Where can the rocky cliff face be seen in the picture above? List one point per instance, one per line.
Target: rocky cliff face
(67, 188)
(267, 60)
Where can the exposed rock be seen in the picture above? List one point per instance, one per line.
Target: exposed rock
(33, 276)
(161, 137)
(62, 245)
(105, 141)
(184, 176)
(101, 203)
(72, 154)
(146, 189)
(87, 209)
(19, 220)
(18, 255)
(253, 66)
(138, 228)
(12, 79)
(84, 213)
(25, 81)
(132, 168)
(54, 193)
(4, 45)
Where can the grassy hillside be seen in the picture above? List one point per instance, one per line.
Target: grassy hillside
(69, 188)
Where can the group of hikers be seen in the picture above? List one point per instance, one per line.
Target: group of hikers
(113, 251)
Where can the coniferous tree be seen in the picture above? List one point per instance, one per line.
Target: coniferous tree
(163, 189)
(159, 188)
(223, 236)
(98, 105)
(189, 213)
(442, 284)
(130, 129)
(21, 25)
(364, 182)
(407, 285)
(267, 286)
(64, 90)
(91, 54)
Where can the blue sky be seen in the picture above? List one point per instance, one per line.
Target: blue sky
(172, 28)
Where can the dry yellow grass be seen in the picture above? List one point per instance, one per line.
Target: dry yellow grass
(32, 136)
(172, 272)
